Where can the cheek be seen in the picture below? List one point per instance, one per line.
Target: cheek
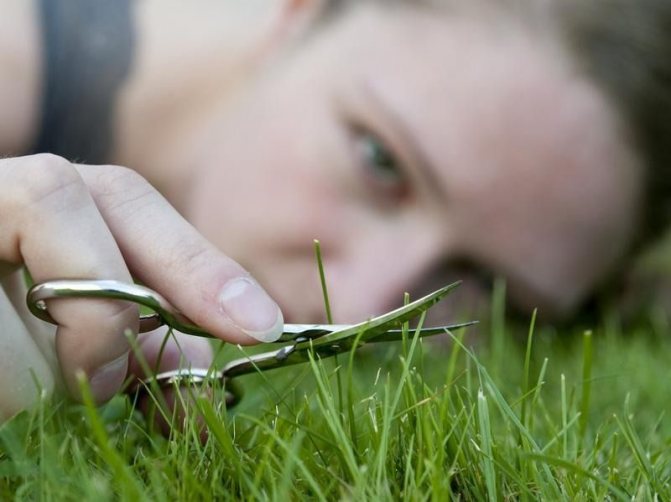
(551, 254)
(272, 187)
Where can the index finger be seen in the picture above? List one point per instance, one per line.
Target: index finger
(169, 255)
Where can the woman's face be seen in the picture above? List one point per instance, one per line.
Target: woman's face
(404, 140)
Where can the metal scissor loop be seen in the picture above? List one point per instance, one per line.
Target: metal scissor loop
(304, 340)
(164, 313)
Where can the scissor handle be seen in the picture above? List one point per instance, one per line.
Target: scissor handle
(164, 313)
(324, 340)
(195, 377)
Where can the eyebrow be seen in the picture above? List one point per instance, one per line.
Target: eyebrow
(411, 143)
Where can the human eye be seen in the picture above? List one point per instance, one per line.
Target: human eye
(381, 167)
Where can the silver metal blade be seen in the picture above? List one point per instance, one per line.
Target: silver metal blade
(395, 335)
(379, 325)
(293, 332)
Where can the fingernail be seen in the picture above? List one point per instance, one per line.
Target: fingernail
(251, 309)
(107, 380)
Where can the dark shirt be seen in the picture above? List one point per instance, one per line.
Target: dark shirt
(88, 47)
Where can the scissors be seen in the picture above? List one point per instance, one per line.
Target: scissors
(301, 341)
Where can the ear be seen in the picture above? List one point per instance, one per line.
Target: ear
(296, 16)
(299, 8)
(298, 4)
(289, 20)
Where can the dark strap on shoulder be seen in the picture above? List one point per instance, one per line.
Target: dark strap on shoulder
(88, 48)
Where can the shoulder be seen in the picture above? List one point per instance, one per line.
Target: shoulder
(20, 74)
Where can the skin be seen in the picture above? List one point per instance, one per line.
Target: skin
(489, 148)
(527, 175)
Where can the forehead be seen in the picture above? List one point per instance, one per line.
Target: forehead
(539, 183)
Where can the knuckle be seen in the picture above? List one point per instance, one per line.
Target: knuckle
(119, 178)
(41, 180)
(189, 257)
(205, 267)
(120, 187)
(198, 260)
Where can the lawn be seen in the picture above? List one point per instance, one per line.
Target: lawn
(522, 412)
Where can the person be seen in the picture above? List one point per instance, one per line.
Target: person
(200, 148)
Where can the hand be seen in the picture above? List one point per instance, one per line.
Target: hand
(68, 221)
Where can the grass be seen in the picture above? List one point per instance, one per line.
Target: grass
(564, 416)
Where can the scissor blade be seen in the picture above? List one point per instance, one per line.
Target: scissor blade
(292, 354)
(286, 356)
(395, 335)
(326, 345)
(296, 331)
(293, 332)
(378, 325)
